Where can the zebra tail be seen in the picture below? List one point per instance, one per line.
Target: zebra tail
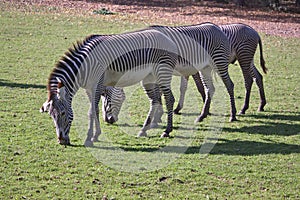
(262, 61)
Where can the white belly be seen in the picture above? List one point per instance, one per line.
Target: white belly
(124, 79)
(184, 70)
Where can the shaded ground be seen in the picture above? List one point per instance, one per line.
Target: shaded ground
(285, 24)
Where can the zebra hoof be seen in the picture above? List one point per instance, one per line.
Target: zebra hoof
(165, 135)
(233, 119)
(199, 119)
(261, 106)
(142, 134)
(94, 139)
(176, 112)
(88, 143)
(242, 112)
(64, 142)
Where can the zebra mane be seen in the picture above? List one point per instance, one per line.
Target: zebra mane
(65, 65)
(157, 26)
(182, 26)
(80, 44)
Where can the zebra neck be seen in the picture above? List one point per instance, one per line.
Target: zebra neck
(54, 89)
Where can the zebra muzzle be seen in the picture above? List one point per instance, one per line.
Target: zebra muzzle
(63, 141)
(110, 119)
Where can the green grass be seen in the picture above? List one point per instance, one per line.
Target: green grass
(255, 158)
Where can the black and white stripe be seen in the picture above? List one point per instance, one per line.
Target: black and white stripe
(243, 43)
(203, 48)
(108, 60)
(206, 48)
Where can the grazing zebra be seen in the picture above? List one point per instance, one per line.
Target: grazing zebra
(243, 42)
(201, 48)
(110, 60)
(108, 103)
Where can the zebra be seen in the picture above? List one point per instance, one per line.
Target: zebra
(243, 42)
(120, 60)
(203, 47)
(108, 103)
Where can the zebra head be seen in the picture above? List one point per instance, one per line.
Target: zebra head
(112, 101)
(61, 113)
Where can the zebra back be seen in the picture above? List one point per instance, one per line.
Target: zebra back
(82, 65)
(198, 44)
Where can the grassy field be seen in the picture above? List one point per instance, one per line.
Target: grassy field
(257, 157)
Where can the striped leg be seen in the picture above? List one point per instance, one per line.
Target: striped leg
(155, 95)
(152, 91)
(155, 112)
(248, 80)
(149, 89)
(169, 98)
(92, 116)
(259, 82)
(200, 87)
(98, 93)
(164, 78)
(230, 89)
(183, 88)
(207, 81)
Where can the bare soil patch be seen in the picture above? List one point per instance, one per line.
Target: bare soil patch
(182, 12)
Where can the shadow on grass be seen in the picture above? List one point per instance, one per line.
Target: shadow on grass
(160, 126)
(224, 146)
(6, 83)
(268, 129)
(275, 123)
(233, 147)
(277, 115)
(272, 123)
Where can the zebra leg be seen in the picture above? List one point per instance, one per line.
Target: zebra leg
(158, 107)
(97, 124)
(164, 78)
(97, 120)
(199, 84)
(155, 104)
(91, 114)
(248, 85)
(207, 81)
(169, 98)
(230, 89)
(183, 88)
(259, 82)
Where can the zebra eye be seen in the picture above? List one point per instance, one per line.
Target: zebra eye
(63, 113)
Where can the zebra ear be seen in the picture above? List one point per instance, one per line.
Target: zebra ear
(45, 107)
(61, 91)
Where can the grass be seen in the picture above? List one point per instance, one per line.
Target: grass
(255, 158)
